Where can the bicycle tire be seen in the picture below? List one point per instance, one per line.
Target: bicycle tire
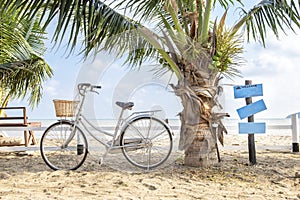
(58, 156)
(147, 142)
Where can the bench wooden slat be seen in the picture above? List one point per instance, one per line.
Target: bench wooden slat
(13, 108)
(21, 122)
(13, 125)
(34, 124)
(11, 118)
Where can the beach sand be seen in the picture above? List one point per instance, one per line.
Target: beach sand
(24, 175)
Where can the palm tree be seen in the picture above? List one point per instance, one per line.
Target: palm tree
(22, 68)
(182, 37)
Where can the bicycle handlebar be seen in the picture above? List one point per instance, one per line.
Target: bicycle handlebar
(84, 87)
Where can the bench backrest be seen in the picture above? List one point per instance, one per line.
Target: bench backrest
(16, 116)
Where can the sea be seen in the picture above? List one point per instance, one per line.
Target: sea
(278, 126)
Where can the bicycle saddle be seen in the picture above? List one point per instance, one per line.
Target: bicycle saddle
(125, 105)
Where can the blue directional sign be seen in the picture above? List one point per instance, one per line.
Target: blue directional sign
(244, 91)
(251, 109)
(252, 127)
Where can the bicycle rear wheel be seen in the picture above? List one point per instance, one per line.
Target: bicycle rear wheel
(63, 147)
(147, 142)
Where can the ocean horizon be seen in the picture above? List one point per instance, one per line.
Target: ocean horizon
(282, 126)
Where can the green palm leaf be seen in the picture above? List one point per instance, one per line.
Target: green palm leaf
(22, 69)
(276, 15)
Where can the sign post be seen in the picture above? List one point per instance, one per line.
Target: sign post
(251, 142)
(248, 91)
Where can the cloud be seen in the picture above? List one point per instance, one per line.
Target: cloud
(278, 57)
(51, 87)
(277, 67)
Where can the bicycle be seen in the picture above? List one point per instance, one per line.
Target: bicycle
(145, 140)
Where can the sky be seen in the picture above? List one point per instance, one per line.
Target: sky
(276, 67)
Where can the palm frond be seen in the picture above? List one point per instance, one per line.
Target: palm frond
(22, 69)
(272, 14)
(92, 20)
(229, 48)
(155, 41)
(144, 10)
(226, 3)
(26, 77)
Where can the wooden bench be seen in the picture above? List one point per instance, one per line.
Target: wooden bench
(16, 117)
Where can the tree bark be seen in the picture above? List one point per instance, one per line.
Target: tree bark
(197, 138)
(202, 152)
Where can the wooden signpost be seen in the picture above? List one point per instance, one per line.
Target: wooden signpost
(248, 91)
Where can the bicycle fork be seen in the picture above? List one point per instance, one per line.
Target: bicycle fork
(80, 147)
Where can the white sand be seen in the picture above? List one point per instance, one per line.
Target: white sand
(275, 176)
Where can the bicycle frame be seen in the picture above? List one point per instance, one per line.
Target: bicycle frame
(81, 120)
(84, 122)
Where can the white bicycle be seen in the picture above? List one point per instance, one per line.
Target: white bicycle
(145, 140)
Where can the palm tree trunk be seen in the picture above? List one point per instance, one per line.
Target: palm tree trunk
(202, 152)
(198, 90)
(196, 139)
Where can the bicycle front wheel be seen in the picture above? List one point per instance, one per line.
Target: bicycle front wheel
(147, 142)
(63, 146)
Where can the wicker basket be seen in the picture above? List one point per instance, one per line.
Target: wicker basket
(65, 108)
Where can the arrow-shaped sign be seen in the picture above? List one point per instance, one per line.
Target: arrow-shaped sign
(252, 127)
(251, 109)
(244, 91)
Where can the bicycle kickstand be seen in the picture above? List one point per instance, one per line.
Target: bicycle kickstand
(102, 157)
